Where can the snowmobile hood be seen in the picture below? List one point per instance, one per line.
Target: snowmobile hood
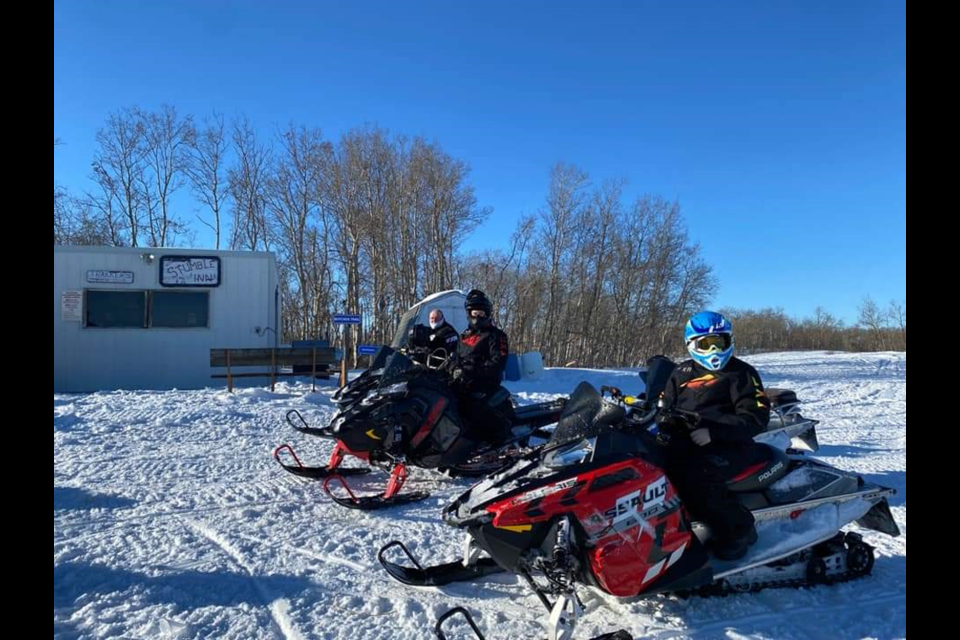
(584, 440)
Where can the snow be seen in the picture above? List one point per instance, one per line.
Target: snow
(171, 520)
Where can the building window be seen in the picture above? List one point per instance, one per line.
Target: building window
(179, 309)
(104, 309)
(111, 309)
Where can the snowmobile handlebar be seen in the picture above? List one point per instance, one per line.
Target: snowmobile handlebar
(673, 415)
(431, 359)
(635, 402)
(614, 392)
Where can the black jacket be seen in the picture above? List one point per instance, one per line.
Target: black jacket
(482, 357)
(731, 402)
(443, 337)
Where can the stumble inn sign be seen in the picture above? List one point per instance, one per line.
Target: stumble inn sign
(187, 271)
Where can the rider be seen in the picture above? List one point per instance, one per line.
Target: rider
(715, 404)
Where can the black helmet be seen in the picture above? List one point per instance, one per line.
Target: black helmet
(478, 301)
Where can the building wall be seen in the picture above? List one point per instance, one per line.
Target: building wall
(92, 359)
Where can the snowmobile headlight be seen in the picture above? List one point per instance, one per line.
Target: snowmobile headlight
(570, 454)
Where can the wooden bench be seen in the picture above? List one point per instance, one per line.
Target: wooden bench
(319, 359)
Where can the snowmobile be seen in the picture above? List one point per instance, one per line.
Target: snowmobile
(402, 413)
(593, 508)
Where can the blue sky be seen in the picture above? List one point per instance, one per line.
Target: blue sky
(780, 127)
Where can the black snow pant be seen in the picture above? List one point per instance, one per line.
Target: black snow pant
(700, 475)
(486, 423)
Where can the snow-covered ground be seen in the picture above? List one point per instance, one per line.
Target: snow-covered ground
(171, 520)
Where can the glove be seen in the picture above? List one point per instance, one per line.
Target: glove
(700, 437)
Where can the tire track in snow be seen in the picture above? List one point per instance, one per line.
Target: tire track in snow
(308, 553)
(279, 608)
(773, 616)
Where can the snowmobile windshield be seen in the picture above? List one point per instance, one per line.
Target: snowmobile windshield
(382, 356)
(659, 369)
(584, 416)
(403, 329)
(395, 366)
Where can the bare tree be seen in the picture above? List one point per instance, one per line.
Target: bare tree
(207, 171)
(874, 320)
(897, 314)
(247, 181)
(618, 297)
(826, 327)
(119, 171)
(168, 139)
(348, 191)
(302, 226)
(567, 195)
(451, 211)
(76, 224)
(61, 220)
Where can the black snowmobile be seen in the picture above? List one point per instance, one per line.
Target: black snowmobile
(399, 413)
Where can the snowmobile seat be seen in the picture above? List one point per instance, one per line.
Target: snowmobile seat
(780, 397)
(497, 398)
(773, 464)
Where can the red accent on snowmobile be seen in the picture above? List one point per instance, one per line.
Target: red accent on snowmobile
(749, 471)
(287, 447)
(343, 483)
(390, 497)
(340, 451)
(315, 473)
(622, 557)
(398, 478)
(435, 411)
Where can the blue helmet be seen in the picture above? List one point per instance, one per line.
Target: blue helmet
(709, 338)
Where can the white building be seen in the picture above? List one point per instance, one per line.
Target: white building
(135, 318)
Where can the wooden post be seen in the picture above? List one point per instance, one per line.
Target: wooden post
(273, 369)
(313, 371)
(343, 360)
(229, 377)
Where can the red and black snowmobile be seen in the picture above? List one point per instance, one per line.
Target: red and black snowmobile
(594, 511)
(402, 413)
